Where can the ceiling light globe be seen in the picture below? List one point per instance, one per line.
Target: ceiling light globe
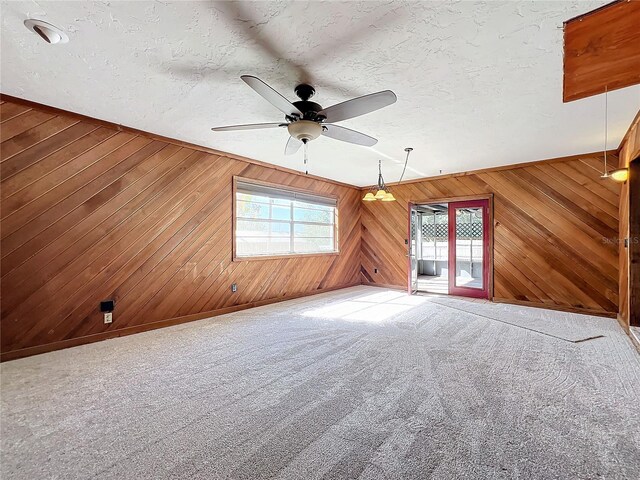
(305, 130)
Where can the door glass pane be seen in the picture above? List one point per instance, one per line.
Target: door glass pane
(469, 251)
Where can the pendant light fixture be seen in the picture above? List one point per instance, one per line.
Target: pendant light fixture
(382, 192)
(620, 174)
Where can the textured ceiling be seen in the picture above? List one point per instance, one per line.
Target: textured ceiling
(479, 84)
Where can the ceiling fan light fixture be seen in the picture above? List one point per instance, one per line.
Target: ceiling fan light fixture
(305, 130)
(369, 197)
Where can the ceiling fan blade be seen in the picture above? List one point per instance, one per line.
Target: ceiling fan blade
(271, 96)
(359, 106)
(246, 19)
(293, 145)
(347, 135)
(249, 126)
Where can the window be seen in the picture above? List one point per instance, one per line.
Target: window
(277, 221)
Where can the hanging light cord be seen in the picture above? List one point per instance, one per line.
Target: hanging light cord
(306, 159)
(408, 150)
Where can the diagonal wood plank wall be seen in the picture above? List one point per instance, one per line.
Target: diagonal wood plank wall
(90, 212)
(555, 232)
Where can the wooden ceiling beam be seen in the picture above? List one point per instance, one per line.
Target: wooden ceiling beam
(602, 50)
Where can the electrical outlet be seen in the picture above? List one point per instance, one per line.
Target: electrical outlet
(234, 287)
(108, 317)
(375, 270)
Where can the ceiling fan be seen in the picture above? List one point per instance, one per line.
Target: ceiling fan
(306, 120)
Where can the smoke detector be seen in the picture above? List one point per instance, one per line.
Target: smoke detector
(49, 33)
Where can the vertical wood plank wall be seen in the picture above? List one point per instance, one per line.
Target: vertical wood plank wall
(555, 232)
(90, 213)
(629, 150)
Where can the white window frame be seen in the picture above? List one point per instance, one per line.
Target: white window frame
(283, 191)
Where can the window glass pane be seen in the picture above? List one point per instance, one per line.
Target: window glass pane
(312, 215)
(253, 246)
(280, 213)
(247, 228)
(316, 206)
(311, 230)
(305, 245)
(252, 198)
(264, 224)
(252, 210)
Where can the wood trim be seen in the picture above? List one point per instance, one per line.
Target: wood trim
(123, 128)
(586, 311)
(633, 239)
(74, 342)
(383, 285)
(279, 186)
(290, 255)
(627, 135)
(483, 196)
(582, 16)
(613, 154)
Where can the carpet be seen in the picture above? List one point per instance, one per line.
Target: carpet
(361, 383)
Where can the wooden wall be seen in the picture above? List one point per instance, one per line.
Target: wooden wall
(92, 212)
(555, 232)
(629, 149)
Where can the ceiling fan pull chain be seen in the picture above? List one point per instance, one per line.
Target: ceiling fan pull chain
(306, 160)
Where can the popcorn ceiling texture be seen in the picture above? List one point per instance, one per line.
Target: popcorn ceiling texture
(479, 83)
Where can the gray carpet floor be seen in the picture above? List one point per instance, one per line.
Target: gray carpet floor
(358, 383)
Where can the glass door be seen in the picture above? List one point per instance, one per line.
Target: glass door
(469, 248)
(412, 249)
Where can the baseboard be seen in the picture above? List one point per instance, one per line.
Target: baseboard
(383, 285)
(97, 337)
(634, 335)
(562, 308)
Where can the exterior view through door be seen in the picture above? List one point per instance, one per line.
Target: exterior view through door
(449, 248)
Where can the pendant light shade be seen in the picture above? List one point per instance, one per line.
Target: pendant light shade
(620, 175)
(382, 191)
(389, 197)
(369, 197)
(380, 194)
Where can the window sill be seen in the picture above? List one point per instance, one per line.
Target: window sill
(278, 257)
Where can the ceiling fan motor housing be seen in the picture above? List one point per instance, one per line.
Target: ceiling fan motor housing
(305, 130)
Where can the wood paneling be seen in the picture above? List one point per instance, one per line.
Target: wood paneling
(629, 149)
(555, 231)
(91, 212)
(602, 49)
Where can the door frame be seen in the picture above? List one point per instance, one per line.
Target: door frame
(633, 244)
(452, 237)
(410, 286)
(491, 224)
